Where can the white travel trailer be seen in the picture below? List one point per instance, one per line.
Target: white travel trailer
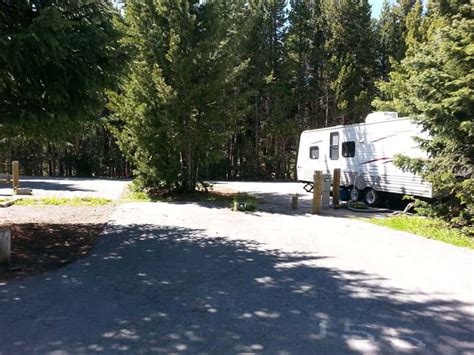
(364, 152)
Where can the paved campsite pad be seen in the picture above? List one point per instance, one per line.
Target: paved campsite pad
(191, 278)
(275, 197)
(69, 187)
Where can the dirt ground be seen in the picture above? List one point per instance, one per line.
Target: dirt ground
(49, 237)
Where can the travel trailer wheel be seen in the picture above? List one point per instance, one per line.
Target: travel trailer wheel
(355, 193)
(371, 197)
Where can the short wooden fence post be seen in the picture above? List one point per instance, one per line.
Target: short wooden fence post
(317, 186)
(16, 175)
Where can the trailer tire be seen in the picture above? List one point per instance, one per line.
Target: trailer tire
(355, 193)
(371, 197)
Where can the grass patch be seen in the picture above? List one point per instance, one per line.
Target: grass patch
(429, 228)
(139, 196)
(246, 202)
(210, 197)
(63, 201)
(236, 201)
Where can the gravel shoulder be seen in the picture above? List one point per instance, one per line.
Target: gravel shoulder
(55, 214)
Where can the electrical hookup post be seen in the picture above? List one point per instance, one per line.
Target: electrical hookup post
(321, 192)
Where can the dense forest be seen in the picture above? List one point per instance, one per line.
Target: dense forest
(175, 92)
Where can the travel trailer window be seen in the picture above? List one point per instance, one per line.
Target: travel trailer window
(314, 152)
(348, 149)
(334, 146)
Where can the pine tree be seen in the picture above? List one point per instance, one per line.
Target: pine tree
(306, 62)
(267, 120)
(352, 64)
(172, 113)
(435, 84)
(414, 24)
(298, 52)
(56, 60)
(398, 24)
(388, 39)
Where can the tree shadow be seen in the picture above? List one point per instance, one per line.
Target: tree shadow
(55, 184)
(276, 197)
(278, 203)
(174, 290)
(46, 185)
(40, 247)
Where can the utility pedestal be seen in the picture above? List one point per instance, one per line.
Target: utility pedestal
(326, 191)
(336, 186)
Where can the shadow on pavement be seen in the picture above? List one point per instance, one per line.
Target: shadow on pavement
(50, 185)
(276, 203)
(276, 197)
(164, 289)
(40, 247)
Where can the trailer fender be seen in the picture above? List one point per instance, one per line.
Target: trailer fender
(360, 182)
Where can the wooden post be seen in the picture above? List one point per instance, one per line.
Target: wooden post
(318, 180)
(16, 175)
(294, 202)
(4, 247)
(336, 185)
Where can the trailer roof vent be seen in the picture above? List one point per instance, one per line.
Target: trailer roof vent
(380, 117)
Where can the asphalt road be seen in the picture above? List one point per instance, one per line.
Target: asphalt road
(68, 187)
(192, 278)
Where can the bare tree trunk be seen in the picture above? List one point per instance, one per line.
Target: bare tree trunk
(257, 141)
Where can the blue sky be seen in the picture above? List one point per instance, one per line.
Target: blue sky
(376, 7)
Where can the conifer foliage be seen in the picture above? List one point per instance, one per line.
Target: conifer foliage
(56, 59)
(435, 84)
(172, 113)
(222, 89)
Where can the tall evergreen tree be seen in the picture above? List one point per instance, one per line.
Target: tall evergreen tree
(56, 60)
(266, 123)
(435, 84)
(414, 24)
(386, 37)
(306, 62)
(299, 44)
(398, 24)
(172, 112)
(351, 46)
